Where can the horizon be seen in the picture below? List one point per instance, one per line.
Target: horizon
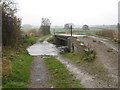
(75, 25)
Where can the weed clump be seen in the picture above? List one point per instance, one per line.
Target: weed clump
(50, 40)
(90, 55)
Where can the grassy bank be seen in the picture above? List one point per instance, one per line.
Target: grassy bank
(19, 74)
(89, 56)
(16, 65)
(32, 40)
(61, 77)
(72, 56)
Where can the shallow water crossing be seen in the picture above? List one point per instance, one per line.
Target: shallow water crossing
(44, 48)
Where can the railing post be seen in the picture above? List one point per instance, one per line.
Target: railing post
(71, 29)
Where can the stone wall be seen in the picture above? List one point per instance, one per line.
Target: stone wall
(75, 46)
(60, 40)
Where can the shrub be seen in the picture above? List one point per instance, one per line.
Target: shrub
(90, 55)
(50, 40)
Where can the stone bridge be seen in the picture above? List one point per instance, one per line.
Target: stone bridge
(72, 43)
(61, 40)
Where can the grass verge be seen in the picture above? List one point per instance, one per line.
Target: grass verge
(61, 77)
(72, 56)
(20, 70)
(16, 65)
(32, 40)
(89, 57)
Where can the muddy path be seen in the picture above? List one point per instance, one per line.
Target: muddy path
(39, 74)
(88, 80)
(107, 42)
(106, 55)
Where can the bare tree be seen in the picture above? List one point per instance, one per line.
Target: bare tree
(45, 22)
(45, 27)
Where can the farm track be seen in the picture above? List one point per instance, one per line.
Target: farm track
(40, 77)
(106, 54)
(109, 61)
(39, 74)
(107, 42)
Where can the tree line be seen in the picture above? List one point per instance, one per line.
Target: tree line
(11, 24)
(68, 26)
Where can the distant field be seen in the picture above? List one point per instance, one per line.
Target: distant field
(58, 30)
(62, 30)
(112, 28)
(75, 30)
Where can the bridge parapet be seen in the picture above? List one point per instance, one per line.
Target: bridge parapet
(71, 42)
(61, 40)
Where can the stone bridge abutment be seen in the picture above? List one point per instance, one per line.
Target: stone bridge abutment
(72, 43)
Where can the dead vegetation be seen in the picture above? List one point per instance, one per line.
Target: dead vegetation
(6, 66)
(112, 34)
(31, 32)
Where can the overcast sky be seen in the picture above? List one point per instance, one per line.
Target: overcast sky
(79, 12)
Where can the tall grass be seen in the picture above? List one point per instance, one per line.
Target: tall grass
(113, 34)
